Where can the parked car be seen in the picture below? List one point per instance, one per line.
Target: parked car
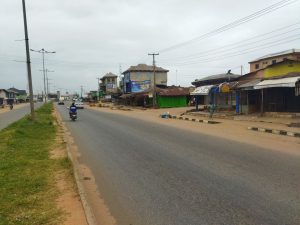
(60, 103)
(79, 105)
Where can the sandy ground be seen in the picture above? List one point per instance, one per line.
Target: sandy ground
(229, 129)
(17, 106)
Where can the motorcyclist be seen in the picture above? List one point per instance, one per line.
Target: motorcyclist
(73, 109)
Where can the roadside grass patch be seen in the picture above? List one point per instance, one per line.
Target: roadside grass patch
(27, 172)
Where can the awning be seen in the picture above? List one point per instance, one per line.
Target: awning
(283, 82)
(202, 90)
(248, 85)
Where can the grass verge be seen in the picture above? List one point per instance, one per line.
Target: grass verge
(27, 172)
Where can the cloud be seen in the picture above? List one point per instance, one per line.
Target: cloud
(94, 37)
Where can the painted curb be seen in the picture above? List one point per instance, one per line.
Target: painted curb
(274, 131)
(193, 119)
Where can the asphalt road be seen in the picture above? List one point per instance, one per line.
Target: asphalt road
(13, 115)
(153, 174)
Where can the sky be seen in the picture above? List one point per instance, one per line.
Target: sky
(94, 37)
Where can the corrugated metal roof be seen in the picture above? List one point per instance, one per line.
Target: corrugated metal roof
(248, 84)
(283, 82)
(109, 75)
(176, 91)
(219, 76)
(144, 68)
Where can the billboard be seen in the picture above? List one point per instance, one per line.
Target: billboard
(139, 86)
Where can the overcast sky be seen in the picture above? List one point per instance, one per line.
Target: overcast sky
(94, 37)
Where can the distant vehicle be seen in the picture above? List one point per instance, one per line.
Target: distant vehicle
(60, 103)
(79, 105)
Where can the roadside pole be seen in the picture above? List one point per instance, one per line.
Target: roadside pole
(154, 79)
(28, 62)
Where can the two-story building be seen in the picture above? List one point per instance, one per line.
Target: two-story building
(108, 84)
(267, 60)
(273, 87)
(141, 78)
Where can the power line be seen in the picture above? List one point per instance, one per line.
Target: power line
(237, 47)
(234, 24)
(240, 43)
(237, 53)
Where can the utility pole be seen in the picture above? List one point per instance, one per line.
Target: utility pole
(98, 97)
(81, 90)
(154, 79)
(241, 70)
(47, 81)
(43, 51)
(28, 62)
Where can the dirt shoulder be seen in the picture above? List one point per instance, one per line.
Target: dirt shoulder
(17, 106)
(228, 129)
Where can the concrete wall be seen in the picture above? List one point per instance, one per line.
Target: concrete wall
(161, 77)
(282, 69)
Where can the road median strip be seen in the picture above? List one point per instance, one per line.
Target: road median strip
(189, 119)
(275, 131)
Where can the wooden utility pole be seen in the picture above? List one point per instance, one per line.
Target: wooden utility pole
(154, 79)
(28, 62)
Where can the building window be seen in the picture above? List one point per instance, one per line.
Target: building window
(256, 66)
(274, 61)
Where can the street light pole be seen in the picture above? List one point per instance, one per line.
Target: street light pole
(43, 51)
(154, 79)
(28, 62)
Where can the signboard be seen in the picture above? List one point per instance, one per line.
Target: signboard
(139, 86)
(111, 86)
(224, 88)
(202, 90)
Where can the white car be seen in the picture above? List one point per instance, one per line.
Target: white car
(79, 105)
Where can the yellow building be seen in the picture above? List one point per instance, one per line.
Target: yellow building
(283, 68)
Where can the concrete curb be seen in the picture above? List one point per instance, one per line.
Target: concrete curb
(274, 131)
(90, 218)
(194, 120)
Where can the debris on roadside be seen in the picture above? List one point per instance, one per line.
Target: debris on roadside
(165, 115)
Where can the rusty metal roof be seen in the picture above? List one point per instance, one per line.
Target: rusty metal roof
(144, 68)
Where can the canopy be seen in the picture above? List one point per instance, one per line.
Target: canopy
(283, 82)
(202, 90)
(248, 85)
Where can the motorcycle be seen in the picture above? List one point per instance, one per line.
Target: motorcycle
(73, 116)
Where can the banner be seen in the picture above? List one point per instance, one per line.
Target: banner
(139, 86)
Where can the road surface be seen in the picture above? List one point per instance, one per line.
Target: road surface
(15, 114)
(153, 174)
